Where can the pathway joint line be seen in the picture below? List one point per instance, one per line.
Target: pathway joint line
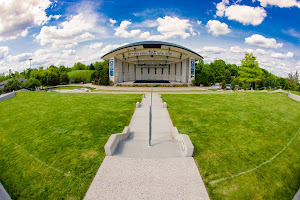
(255, 168)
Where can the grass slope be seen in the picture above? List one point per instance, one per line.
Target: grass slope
(233, 133)
(51, 144)
(81, 75)
(71, 88)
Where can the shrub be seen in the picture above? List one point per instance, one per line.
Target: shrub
(246, 86)
(224, 85)
(197, 79)
(194, 82)
(32, 83)
(64, 78)
(12, 85)
(232, 85)
(204, 78)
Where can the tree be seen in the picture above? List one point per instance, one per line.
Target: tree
(249, 71)
(291, 81)
(12, 85)
(101, 75)
(218, 70)
(62, 68)
(227, 76)
(203, 76)
(249, 61)
(234, 69)
(64, 78)
(79, 66)
(91, 66)
(28, 73)
(47, 78)
(32, 83)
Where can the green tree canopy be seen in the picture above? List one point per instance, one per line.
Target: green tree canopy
(32, 83)
(250, 71)
(79, 66)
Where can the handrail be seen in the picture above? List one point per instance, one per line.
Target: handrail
(150, 119)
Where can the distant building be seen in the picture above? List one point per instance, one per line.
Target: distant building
(154, 61)
(4, 82)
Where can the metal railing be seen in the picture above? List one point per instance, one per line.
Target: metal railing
(150, 120)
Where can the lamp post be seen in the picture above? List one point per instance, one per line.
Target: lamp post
(30, 59)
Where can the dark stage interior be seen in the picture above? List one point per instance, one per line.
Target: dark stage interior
(151, 81)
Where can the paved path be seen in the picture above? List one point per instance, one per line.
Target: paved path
(162, 145)
(138, 171)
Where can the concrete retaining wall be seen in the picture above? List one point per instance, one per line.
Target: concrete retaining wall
(3, 193)
(294, 96)
(4, 97)
(184, 141)
(113, 141)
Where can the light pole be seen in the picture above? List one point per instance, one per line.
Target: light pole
(30, 59)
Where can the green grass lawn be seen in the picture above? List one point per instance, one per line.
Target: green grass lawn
(235, 132)
(52, 144)
(295, 92)
(71, 88)
(84, 75)
(160, 91)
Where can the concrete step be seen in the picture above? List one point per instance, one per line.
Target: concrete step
(140, 149)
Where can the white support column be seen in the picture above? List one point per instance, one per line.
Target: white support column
(184, 77)
(118, 71)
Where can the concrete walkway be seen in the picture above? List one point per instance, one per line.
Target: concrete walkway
(162, 145)
(138, 171)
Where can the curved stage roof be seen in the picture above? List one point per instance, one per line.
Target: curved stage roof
(152, 45)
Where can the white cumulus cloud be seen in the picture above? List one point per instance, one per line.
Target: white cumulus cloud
(68, 33)
(216, 50)
(168, 27)
(69, 52)
(236, 49)
(280, 3)
(171, 27)
(282, 55)
(20, 58)
(121, 31)
(112, 21)
(217, 28)
(241, 13)
(16, 17)
(96, 45)
(260, 51)
(3, 52)
(261, 41)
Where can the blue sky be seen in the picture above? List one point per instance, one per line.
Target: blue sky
(64, 32)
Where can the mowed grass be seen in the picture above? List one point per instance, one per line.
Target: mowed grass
(233, 133)
(295, 92)
(51, 144)
(71, 88)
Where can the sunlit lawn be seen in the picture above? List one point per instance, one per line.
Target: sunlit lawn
(236, 132)
(51, 144)
(71, 87)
